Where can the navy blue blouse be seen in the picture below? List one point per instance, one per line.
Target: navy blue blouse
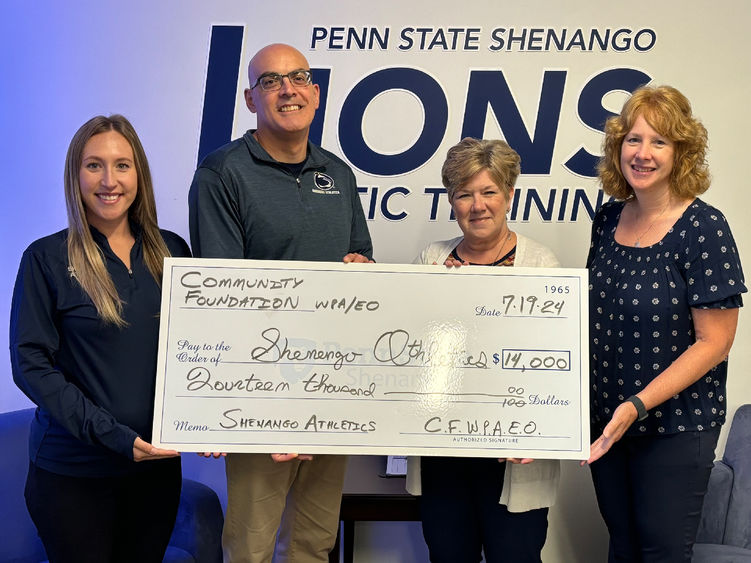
(93, 383)
(640, 302)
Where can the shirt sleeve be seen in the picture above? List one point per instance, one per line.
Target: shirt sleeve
(712, 266)
(422, 258)
(216, 225)
(360, 241)
(34, 342)
(437, 252)
(548, 259)
(176, 245)
(598, 224)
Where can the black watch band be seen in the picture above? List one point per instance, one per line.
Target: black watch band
(641, 410)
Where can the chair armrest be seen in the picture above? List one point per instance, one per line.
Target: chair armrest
(716, 502)
(198, 528)
(20, 541)
(713, 553)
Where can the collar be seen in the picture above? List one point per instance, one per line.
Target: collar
(316, 158)
(101, 240)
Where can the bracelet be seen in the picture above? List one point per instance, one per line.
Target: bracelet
(641, 410)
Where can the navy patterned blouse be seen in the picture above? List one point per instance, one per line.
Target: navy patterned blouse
(640, 302)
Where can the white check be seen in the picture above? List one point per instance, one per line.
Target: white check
(270, 356)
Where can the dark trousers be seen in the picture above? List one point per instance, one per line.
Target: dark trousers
(461, 516)
(650, 490)
(110, 519)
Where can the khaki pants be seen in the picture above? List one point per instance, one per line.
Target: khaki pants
(299, 499)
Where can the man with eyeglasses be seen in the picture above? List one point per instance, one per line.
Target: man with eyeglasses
(274, 195)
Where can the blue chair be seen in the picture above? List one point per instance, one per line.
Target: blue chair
(195, 539)
(725, 529)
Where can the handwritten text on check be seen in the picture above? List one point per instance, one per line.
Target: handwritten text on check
(260, 356)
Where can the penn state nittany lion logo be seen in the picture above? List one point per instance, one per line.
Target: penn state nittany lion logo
(323, 181)
(323, 184)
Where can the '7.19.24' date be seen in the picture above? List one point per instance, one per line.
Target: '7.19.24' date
(522, 305)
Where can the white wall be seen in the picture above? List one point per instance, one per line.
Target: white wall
(65, 62)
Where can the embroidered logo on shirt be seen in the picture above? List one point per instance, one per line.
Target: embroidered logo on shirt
(324, 184)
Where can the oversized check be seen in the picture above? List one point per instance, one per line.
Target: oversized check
(270, 356)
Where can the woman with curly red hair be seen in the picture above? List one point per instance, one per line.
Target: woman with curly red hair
(665, 289)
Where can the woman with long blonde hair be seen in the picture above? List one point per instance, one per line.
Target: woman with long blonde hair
(83, 340)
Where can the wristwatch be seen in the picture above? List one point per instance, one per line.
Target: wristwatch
(641, 410)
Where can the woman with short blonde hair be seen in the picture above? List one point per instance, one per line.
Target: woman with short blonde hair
(474, 507)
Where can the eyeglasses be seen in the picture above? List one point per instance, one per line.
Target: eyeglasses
(270, 81)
